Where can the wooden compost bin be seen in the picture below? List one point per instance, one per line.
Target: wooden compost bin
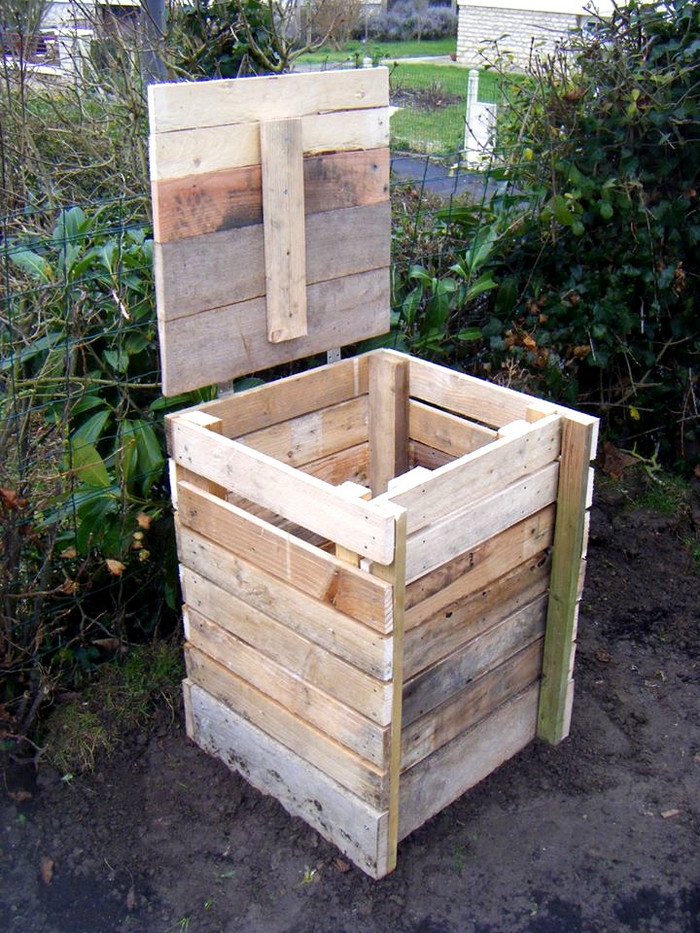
(381, 558)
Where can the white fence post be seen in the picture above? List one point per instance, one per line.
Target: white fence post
(480, 124)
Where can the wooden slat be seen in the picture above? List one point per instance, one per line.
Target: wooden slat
(359, 830)
(457, 623)
(578, 449)
(178, 106)
(314, 436)
(231, 341)
(231, 198)
(283, 224)
(388, 420)
(468, 706)
(194, 274)
(429, 457)
(301, 697)
(444, 431)
(290, 397)
(479, 567)
(352, 642)
(313, 572)
(298, 652)
(193, 152)
(351, 465)
(437, 683)
(436, 781)
(482, 472)
(364, 526)
(464, 529)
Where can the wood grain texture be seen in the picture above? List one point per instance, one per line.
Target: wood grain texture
(359, 830)
(310, 570)
(446, 432)
(351, 641)
(231, 341)
(444, 776)
(225, 267)
(232, 198)
(388, 420)
(283, 225)
(178, 106)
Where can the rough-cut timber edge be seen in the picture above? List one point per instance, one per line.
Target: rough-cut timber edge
(566, 582)
(358, 830)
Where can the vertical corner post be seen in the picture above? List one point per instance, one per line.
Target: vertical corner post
(388, 419)
(568, 562)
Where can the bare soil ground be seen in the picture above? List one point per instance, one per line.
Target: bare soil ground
(600, 834)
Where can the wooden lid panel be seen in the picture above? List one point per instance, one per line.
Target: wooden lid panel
(271, 220)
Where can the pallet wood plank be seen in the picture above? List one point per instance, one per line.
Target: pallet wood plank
(177, 106)
(464, 529)
(193, 274)
(194, 152)
(281, 157)
(350, 640)
(311, 437)
(347, 465)
(444, 776)
(305, 700)
(299, 497)
(483, 471)
(388, 420)
(298, 652)
(440, 635)
(291, 397)
(480, 566)
(356, 594)
(223, 343)
(468, 706)
(358, 829)
(232, 198)
(446, 432)
(435, 684)
(578, 449)
(428, 457)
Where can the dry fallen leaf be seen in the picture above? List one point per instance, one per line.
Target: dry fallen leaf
(143, 520)
(115, 567)
(19, 796)
(46, 869)
(131, 899)
(603, 656)
(69, 553)
(669, 814)
(341, 865)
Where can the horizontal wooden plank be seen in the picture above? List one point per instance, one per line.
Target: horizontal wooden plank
(444, 431)
(480, 566)
(297, 651)
(457, 623)
(444, 776)
(193, 275)
(438, 683)
(232, 198)
(192, 152)
(290, 397)
(351, 465)
(350, 640)
(302, 698)
(359, 831)
(483, 472)
(176, 106)
(469, 706)
(428, 457)
(464, 529)
(348, 769)
(314, 436)
(362, 526)
(310, 570)
(231, 341)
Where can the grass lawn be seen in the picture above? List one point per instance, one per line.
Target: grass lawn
(432, 101)
(377, 50)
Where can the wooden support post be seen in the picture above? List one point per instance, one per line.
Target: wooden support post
(395, 574)
(283, 223)
(556, 692)
(352, 490)
(388, 420)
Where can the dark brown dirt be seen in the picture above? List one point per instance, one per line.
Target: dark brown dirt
(600, 834)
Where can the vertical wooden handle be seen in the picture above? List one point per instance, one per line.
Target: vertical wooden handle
(284, 228)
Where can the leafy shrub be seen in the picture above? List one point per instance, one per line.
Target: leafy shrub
(408, 20)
